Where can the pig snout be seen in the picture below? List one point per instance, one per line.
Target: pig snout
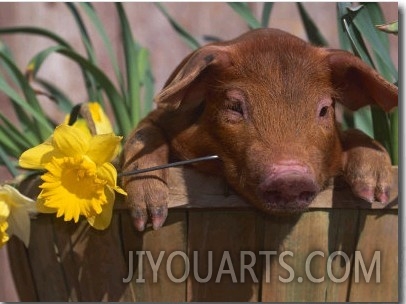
(288, 187)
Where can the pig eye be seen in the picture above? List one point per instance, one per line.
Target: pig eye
(236, 107)
(323, 111)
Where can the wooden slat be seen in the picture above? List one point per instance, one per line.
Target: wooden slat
(21, 270)
(342, 236)
(301, 236)
(194, 190)
(46, 268)
(221, 232)
(63, 232)
(172, 237)
(377, 233)
(98, 262)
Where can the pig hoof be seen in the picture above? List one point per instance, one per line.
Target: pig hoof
(140, 218)
(382, 195)
(368, 168)
(158, 216)
(370, 193)
(147, 200)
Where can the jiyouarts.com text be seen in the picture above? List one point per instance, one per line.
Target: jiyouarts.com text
(245, 268)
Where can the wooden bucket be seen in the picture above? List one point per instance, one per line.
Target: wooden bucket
(342, 249)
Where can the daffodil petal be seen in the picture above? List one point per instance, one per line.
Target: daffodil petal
(100, 119)
(70, 141)
(17, 199)
(104, 148)
(82, 125)
(19, 225)
(120, 190)
(108, 173)
(102, 220)
(37, 157)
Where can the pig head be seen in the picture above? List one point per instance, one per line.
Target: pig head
(264, 103)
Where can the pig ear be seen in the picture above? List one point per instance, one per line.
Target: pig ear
(186, 76)
(358, 84)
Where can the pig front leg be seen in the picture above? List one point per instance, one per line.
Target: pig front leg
(367, 166)
(148, 192)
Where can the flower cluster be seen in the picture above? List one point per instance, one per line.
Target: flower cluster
(78, 180)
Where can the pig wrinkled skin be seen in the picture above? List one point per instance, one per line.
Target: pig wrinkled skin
(264, 103)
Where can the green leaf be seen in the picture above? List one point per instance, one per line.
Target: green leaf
(313, 33)
(357, 42)
(360, 25)
(390, 28)
(341, 8)
(36, 62)
(266, 13)
(363, 22)
(131, 62)
(377, 17)
(381, 126)
(363, 121)
(148, 92)
(35, 31)
(10, 147)
(242, 9)
(59, 97)
(92, 88)
(7, 52)
(83, 32)
(186, 36)
(30, 105)
(98, 24)
(146, 80)
(7, 162)
(115, 99)
(22, 104)
(19, 138)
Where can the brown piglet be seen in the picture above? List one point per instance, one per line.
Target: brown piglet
(265, 104)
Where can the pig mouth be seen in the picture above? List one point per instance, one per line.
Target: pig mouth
(275, 203)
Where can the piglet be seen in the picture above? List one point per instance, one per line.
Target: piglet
(265, 104)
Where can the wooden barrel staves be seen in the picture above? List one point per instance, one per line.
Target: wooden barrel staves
(214, 246)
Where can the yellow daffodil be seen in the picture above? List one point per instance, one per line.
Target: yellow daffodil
(99, 118)
(15, 210)
(79, 178)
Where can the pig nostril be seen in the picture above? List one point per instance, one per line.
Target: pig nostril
(288, 187)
